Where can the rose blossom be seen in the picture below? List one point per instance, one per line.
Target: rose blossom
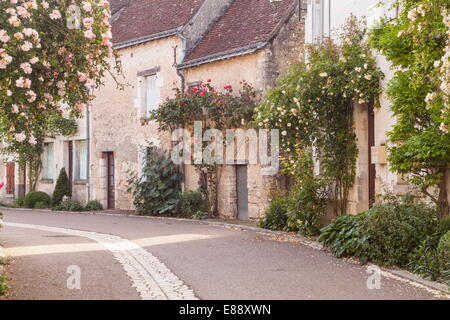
(20, 137)
(26, 67)
(4, 36)
(23, 83)
(55, 14)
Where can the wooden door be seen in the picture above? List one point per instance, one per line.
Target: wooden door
(111, 182)
(10, 178)
(242, 192)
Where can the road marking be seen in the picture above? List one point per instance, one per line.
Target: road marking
(150, 277)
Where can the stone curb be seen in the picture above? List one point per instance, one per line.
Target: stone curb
(279, 235)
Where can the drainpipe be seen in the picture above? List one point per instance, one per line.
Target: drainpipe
(88, 146)
(182, 78)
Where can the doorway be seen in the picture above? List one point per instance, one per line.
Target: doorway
(10, 178)
(242, 192)
(371, 143)
(111, 197)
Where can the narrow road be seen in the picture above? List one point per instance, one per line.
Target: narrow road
(120, 257)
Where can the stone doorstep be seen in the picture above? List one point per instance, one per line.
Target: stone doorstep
(278, 235)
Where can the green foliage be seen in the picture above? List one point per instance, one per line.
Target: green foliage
(34, 197)
(214, 109)
(154, 191)
(66, 127)
(69, 205)
(308, 198)
(20, 202)
(424, 261)
(417, 45)
(93, 205)
(205, 103)
(313, 107)
(59, 64)
(41, 205)
(346, 237)
(276, 215)
(62, 188)
(443, 253)
(396, 227)
(3, 286)
(191, 203)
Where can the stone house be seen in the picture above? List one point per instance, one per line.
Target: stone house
(371, 125)
(71, 153)
(164, 44)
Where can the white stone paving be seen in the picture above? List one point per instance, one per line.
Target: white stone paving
(151, 278)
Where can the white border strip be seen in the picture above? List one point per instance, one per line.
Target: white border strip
(151, 278)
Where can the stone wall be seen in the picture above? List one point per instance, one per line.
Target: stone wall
(117, 123)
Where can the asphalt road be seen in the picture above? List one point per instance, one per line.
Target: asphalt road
(121, 257)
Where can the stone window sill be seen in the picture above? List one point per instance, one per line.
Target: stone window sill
(47, 181)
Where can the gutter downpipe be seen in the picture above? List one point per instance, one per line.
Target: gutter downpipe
(183, 87)
(88, 146)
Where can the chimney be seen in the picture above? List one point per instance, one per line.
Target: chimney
(194, 31)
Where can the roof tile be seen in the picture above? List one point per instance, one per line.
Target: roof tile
(142, 18)
(246, 23)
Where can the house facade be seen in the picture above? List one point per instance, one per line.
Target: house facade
(167, 44)
(374, 176)
(226, 41)
(71, 153)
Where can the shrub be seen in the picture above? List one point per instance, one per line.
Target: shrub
(425, 260)
(192, 202)
(34, 197)
(93, 205)
(276, 215)
(20, 202)
(62, 188)
(443, 253)
(345, 237)
(396, 227)
(69, 205)
(309, 199)
(40, 205)
(154, 191)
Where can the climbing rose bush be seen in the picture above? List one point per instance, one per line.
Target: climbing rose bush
(416, 43)
(52, 55)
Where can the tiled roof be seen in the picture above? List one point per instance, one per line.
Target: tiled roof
(246, 23)
(116, 5)
(142, 18)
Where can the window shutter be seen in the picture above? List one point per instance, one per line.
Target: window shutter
(317, 20)
(82, 160)
(151, 98)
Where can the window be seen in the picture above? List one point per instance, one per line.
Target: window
(48, 162)
(81, 157)
(151, 94)
(317, 20)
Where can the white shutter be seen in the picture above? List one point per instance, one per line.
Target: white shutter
(82, 160)
(48, 161)
(151, 96)
(317, 20)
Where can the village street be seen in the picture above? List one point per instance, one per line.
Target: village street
(121, 257)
